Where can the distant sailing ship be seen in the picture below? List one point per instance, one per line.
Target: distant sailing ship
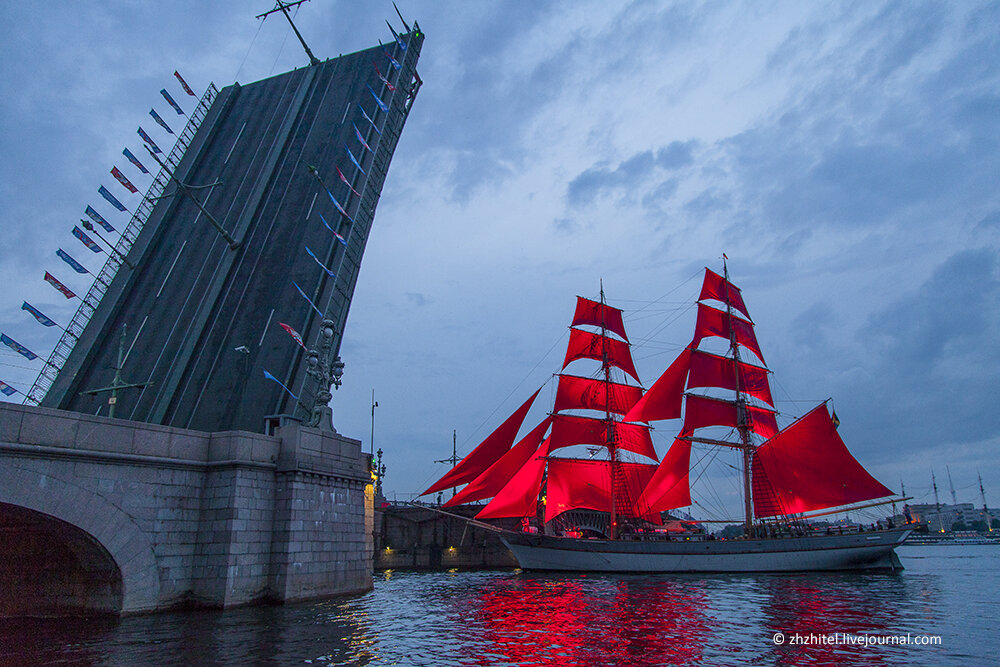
(604, 512)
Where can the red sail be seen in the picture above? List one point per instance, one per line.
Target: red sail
(519, 497)
(598, 314)
(580, 484)
(569, 430)
(586, 345)
(497, 475)
(718, 288)
(710, 370)
(714, 322)
(487, 453)
(703, 411)
(663, 400)
(807, 467)
(669, 487)
(579, 393)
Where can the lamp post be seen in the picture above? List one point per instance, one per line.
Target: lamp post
(326, 371)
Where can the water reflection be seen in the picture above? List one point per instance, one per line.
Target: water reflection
(512, 618)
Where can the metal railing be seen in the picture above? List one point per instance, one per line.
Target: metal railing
(89, 303)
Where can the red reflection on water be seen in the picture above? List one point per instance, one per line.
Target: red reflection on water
(813, 608)
(591, 621)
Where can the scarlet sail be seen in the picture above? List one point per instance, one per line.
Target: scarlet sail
(581, 484)
(663, 400)
(669, 486)
(497, 475)
(569, 430)
(710, 370)
(713, 322)
(718, 288)
(586, 345)
(487, 453)
(807, 467)
(701, 411)
(597, 314)
(519, 497)
(580, 393)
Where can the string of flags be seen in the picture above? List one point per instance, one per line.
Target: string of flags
(342, 210)
(98, 219)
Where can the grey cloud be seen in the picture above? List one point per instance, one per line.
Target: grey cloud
(591, 183)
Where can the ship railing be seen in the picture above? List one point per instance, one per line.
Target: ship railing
(102, 281)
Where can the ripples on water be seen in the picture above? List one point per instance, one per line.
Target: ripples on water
(519, 618)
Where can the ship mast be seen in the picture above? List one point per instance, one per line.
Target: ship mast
(742, 414)
(609, 436)
(986, 511)
(937, 503)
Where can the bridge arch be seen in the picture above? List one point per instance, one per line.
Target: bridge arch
(107, 561)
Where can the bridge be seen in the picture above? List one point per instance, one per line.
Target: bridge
(109, 515)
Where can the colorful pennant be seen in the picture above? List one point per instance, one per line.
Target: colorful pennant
(37, 314)
(354, 160)
(307, 299)
(271, 377)
(294, 334)
(184, 85)
(346, 182)
(321, 264)
(339, 207)
(77, 266)
(162, 123)
(384, 80)
(86, 240)
(120, 177)
(361, 138)
(66, 292)
(131, 158)
(170, 101)
(99, 219)
(17, 347)
(7, 389)
(378, 100)
(103, 191)
(369, 119)
(148, 140)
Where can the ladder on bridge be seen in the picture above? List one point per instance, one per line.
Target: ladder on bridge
(90, 302)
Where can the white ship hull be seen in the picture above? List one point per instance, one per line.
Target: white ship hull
(854, 551)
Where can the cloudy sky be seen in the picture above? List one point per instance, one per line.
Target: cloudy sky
(843, 155)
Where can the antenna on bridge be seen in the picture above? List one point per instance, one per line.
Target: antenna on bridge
(283, 8)
(454, 457)
(116, 383)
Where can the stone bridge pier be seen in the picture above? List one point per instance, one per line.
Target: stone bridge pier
(108, 515)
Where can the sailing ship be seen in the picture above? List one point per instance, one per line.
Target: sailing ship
(605, 511)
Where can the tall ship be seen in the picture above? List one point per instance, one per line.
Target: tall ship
(606, 509)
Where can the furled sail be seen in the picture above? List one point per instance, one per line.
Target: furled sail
(580, 393)
(586, 345)
(597, 314)
(487, 453)
(807, 467)
(582, 484)
(569, 430)
(494, 478)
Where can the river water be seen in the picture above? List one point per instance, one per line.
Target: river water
(519, 618)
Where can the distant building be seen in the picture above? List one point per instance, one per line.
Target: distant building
(944, 517)
(203, 317)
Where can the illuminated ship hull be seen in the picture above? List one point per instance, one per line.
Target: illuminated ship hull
(854, 551)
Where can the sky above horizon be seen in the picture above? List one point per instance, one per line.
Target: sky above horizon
(843, 155)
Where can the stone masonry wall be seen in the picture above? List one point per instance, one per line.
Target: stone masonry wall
(218, 519)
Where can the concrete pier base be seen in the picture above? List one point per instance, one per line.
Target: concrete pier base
(107, 515)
